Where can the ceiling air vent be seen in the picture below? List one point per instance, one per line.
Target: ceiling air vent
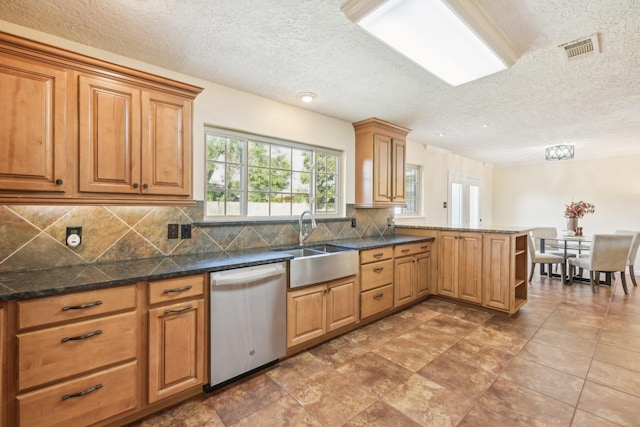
(580, 48)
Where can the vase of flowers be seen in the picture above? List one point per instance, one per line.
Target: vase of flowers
(576, 210)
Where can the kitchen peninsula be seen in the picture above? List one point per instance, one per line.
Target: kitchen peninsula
(486, 266)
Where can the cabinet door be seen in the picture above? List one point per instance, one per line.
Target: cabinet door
(423, 274)
(398, 171)
(382, 169)
(404, 281)
(496, 272)
(470, 267)
(166, 144)
(306, 314)
(342, 303)
(176, 348)
(448, 265)
(33, 126)
(109, 136)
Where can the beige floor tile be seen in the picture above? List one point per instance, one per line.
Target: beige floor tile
(556, 358)
(622, 379)
(585, 419)
(285, 411)
(452, 325)
(570, 343)
(246, 397)
(487, 358)
(381, 414)
(333, 399)
(298, 371)
(428, 403)
(193, 412)
(612, 405)
(524, 405)
(471, 314)
(481, 416)
(621, 340)
(618, 356)
(338, 351)
(572, 327)
(456, 375)
(375, 373)
(629, 325)
(407, 353)
(550, 382)
(435, 339)
(498, 340)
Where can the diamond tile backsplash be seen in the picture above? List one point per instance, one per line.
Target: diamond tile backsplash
(33, 237)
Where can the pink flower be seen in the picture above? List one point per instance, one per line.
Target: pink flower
(578, 209)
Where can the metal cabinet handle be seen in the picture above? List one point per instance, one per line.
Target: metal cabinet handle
(59, 181)
(378, 270)
(182, 289)
(81, 306)
(378, 296)
(82, 393)
(145, 186)
(404, 251)
(179, 310)
(136, 185)
(82, 337)
(378, 255)
(424, 247)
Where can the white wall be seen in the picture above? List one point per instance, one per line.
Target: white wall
(536, 195)
(436, 166)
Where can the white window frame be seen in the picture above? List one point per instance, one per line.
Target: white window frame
(248, 137)
(403, 212)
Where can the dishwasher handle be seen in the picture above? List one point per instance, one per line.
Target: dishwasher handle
(245, 275)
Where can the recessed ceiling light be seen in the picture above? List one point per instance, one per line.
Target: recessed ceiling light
(307, 96)
(441, 134)
(485, 125)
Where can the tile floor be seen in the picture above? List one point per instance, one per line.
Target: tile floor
(568, 358)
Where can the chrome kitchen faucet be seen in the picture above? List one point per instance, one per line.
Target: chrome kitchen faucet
(303, 235)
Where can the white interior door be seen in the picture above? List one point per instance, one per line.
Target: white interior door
(465, 202)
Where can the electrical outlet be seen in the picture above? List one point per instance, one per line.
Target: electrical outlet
(389, 222)
(74, 236)
(172, 231)
(353, 222)
(185, 231)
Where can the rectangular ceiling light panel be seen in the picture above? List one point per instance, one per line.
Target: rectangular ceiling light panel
(432, 34)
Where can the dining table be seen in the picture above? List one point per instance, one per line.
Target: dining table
(567, 247)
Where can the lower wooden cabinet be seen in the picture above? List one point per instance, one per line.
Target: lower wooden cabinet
(412, 272)
(82, 401)
(176, 337)
(460, 266)
(316, 310)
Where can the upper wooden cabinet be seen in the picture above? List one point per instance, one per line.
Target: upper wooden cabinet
(75, 129)
(380, 164)
(133, 141)
(33, 125)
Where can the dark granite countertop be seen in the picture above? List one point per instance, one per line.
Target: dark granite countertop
(492, 229)
(26, 284)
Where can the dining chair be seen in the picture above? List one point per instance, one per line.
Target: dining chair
(549, 234)
(632, 252)
(538, 257)
(609, 254)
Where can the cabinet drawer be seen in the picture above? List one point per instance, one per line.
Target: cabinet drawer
(114, 392)
(56, 353)
(376, 274)
(411, 249)
(75, 306)
(373, 255)
(172, 289)
(376, 301)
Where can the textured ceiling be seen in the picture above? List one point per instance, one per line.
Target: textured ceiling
(278, 48)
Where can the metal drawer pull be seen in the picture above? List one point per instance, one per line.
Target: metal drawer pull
(378, 255)
(82, 306)
(404, 251)
(378, 270)
(424, 247)
(82, 337)
(378, 296)
(178, 310)
(82, 393)
(182, 289)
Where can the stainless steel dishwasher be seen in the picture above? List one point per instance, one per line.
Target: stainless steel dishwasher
(248, 320)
